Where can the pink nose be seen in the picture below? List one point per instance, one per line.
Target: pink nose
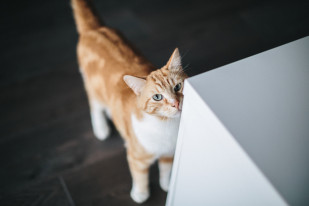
(175, 104)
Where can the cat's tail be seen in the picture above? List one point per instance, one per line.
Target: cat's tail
(85, 16)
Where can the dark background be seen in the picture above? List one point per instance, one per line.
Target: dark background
(48, 153)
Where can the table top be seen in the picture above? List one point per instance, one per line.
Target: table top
(263, 101)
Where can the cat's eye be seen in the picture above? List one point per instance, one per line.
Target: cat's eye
(177, 87)
(157, 97)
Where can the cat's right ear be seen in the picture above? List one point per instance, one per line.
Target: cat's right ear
(135, 83)
(175, 60)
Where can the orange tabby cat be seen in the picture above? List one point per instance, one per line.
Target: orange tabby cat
(144, 103)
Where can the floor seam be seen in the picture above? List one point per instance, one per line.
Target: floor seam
(66, 190)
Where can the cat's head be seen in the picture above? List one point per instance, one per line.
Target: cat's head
(160, 93)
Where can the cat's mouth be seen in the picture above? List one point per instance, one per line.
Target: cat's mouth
(176, 114)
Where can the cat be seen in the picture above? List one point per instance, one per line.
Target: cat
(143, 102)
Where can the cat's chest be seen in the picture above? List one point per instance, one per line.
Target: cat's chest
(158, 137)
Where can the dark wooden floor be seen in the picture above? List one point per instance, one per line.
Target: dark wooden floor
(49, 155)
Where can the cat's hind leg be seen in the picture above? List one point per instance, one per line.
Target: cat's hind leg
(99, 121)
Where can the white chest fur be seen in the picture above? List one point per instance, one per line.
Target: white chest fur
(156, 136)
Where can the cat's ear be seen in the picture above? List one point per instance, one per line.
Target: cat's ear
(135, 83)
(175, 60)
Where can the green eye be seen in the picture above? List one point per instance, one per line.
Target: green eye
(177, 87)
(157, 97)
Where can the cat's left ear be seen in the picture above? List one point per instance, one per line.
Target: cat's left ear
(135, 83)
(175, 60)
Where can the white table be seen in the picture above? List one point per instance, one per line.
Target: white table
(244, 133)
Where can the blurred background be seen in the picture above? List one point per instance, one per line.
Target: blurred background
(49, 155)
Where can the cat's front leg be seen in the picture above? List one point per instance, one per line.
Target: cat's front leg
(139, 167)
(165, 168)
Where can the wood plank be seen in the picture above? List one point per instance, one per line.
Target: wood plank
(108, 182)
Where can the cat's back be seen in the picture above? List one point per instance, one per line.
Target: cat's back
(111, 46)
(105, 56)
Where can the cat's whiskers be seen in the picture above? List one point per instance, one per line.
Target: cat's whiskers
(186, 68)
(184, 54)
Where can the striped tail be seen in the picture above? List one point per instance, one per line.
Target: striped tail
(85, 16)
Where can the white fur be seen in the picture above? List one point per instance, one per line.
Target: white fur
(99, 122)
(157, 136)
(165, 174)
(108, 113)
(139, 196)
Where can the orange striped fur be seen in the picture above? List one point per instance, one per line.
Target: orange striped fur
(109, 65)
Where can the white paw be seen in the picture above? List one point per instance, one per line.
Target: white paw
(101, 132)
(139, 197)
(164, 183)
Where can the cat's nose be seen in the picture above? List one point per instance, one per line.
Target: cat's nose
(175, 104)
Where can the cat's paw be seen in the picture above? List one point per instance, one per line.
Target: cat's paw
(139, 197)
(102, 132)
(164, 183)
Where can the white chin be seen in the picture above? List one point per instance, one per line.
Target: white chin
(176, 114)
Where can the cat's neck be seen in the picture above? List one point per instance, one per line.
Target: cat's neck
(156, 136)
(143, 115)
